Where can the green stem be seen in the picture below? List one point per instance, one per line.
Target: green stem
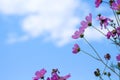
(102, 33)
(100, 78)
(99, 30)
(111, 69)
(116, 17)
(104, 68)
(110, 78)
(101, 58)
(119, 74)
(90, 55)
(93, 49)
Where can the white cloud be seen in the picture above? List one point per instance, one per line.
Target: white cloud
(13, 38)
(55, 17)
(94, 35)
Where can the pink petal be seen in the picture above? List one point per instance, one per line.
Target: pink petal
(118, 1)
(67, 76)
(118, 57)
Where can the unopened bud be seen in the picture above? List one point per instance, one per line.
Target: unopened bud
(107, 56)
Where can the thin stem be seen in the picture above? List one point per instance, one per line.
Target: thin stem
(116, 17)
(110, 78)
(119, 74)
(93, 49)
(100, 78)
(105, 68)
(118, 47)
(101, 58)
(111, 69)
(99, 30)
(90, 55)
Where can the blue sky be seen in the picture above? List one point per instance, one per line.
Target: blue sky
(36, 34)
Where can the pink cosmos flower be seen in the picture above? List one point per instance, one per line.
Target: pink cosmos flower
(61, 78)
(67, 76)
(104, 21)
(64, 77)
(76, 49)
(111, 33)
(89, 19)
(118, 31)
(97, 3)
(35, 78)
(55, 77)
(116, 5)
(77, 34)
(118, 57)
(39, 74)
(48, 78)
(108, 35)
(84, 25)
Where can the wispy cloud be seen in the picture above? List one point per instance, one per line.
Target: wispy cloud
(13, 38)
(57, 18)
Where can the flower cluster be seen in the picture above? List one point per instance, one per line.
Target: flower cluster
(54, 75)
(112, 26)
(104, 21)
(84, 24)
(113, 34)
(116, 5)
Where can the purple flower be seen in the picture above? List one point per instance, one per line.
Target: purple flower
(35, 78)
(116, 5)
(114, 32)
(67, 76)
(108, 35)
(76, 49)
(89, 19)
(118, 57)
(48, 78)
(104, 21)
(78, 34)
(111, 33)
(84, 25)
(54, 76)
(97, 3)
(39, 74)
(118, 30)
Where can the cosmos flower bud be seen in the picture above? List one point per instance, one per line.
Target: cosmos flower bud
(97, 72)
(118, 64)
(109, 74)
(76, 49)
(107, 56)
